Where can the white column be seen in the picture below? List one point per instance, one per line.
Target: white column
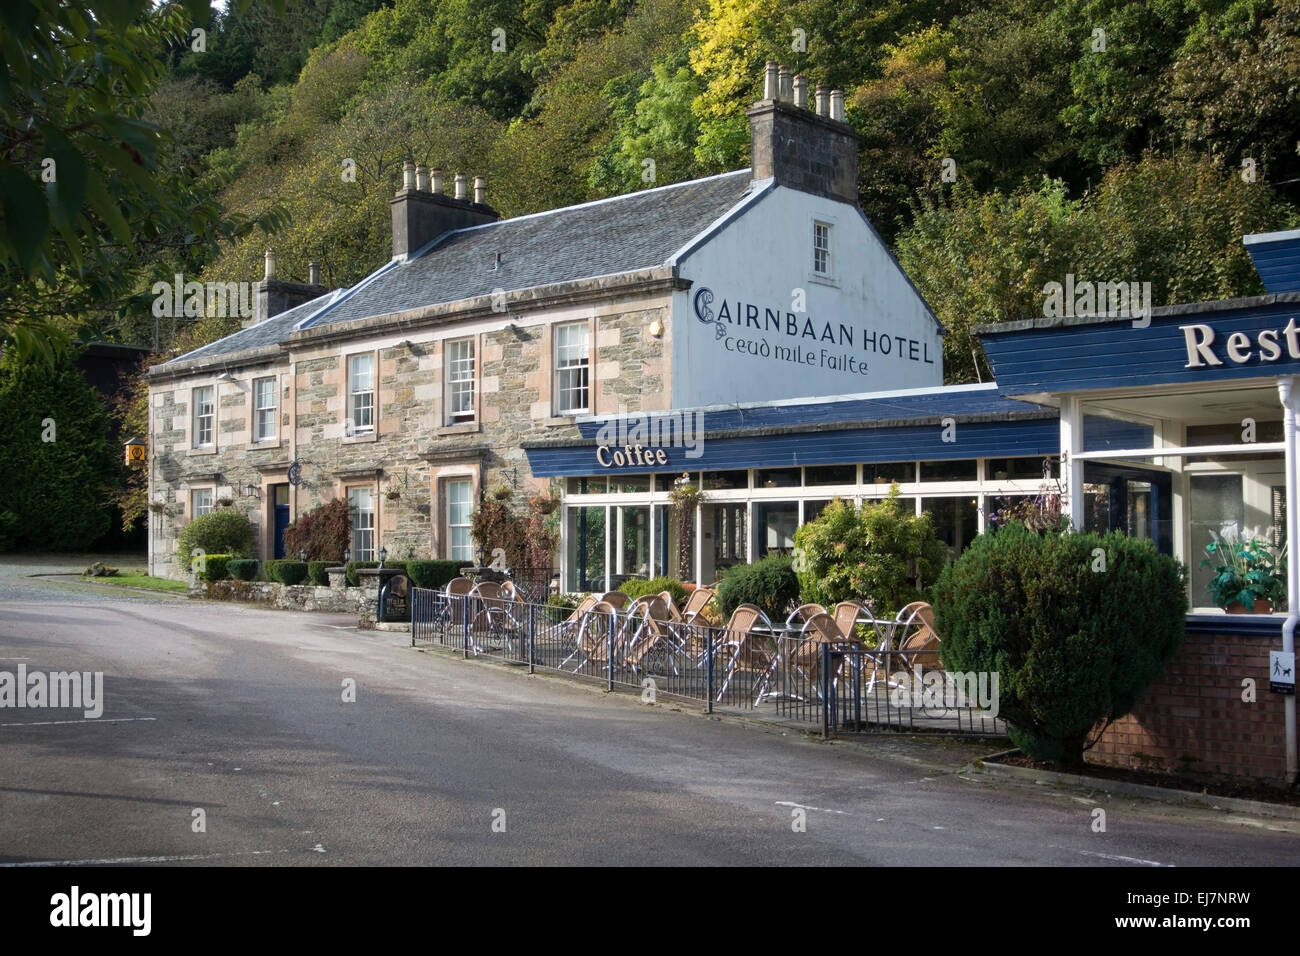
(1287, 392)
(1071, 467)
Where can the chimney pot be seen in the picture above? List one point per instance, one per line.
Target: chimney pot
(270, 264)
(313, 272)
(408, 175)
(823, 101)
(770, 81)
(783, 89)
(460, 186)
(800, 91)
(837, 105)
(422, 178)
(480, 190)
(435, 180)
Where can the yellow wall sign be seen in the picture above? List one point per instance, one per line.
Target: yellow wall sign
(137, 452)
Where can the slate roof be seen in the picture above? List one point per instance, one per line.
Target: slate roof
(639, 230)
(607, 237)
(265, 334)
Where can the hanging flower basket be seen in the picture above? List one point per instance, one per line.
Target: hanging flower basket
(392, 494)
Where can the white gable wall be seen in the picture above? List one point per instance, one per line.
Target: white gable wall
(864, 330)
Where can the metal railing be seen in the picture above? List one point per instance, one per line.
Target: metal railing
(841, 688)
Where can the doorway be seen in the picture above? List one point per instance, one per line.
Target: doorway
(280, 513)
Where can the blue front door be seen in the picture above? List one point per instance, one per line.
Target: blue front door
(281, 493)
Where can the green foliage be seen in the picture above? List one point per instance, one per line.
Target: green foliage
(769, 583)
(324, 532)
(432, 574)
(316, 572)
(286, 571)
(57, 462)
(223, 531)
(882, 553)
(1246, 569)
(560, 606)
(528, 539)
(243, 569)
(215, 567)
(1074, 643)
(636, 587)
(353, 566)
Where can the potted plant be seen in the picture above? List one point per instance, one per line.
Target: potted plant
(1249, 572)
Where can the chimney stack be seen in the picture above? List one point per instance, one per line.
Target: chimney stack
(313, 273)
(814, 152)
(422, 211)
(272, 296)
(783, 90)
(268, 271)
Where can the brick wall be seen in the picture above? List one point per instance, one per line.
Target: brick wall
(1193, 717)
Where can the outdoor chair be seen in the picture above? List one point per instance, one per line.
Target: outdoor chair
(457, 588)
(699, 599)
(799, 616)
(617, 599)
(919, 642)
(491, 614)
(593, 635)
(746, 650)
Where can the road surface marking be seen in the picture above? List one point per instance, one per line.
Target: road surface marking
(800, 806)
(88, 720)
(1125, 859)
(138, 859)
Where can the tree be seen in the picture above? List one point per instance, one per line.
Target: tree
(58, 464)
(1076, 626)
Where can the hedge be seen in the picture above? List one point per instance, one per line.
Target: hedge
(245, 569)
(432, 574)
(316, 572)
(638, 587)
(352, 566)
(214, 567)
(286, 571)
(224, 531)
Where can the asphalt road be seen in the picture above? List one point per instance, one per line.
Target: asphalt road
(239, 713)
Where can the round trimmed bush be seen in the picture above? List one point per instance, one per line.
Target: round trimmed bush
(291, 571)
(637, 587)
(224, 531)
(770, 583)
(245, 569)
(352, 566)
(215, 567)
(432, 574)
(316, 572)
(1076, 626)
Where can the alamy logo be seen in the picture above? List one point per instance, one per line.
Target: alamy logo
(75, 908)
(944, 690)
(220, 300)
(57, 689)
(638, 438)
(1110, 299)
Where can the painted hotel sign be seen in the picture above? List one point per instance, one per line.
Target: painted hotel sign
(761, 331)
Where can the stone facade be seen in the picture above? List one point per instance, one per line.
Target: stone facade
(412, 450)
(297, 597)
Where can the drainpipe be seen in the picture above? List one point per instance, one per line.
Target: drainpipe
(1286, 391)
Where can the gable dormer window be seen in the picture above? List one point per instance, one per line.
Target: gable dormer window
(821, 249)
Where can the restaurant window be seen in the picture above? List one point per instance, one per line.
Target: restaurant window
(361, 394)
(724, 480)
(777, 522)
(361, 507)
(956, 521)
(887, 472)
(264, 409)
(729, 542)
(831, 475)
(776, 478)
(959, 470)
(572, 359)
(203, 416)
(585, 548)
(460, 506)
(1020, 469)
(459, 374)
(812, 510)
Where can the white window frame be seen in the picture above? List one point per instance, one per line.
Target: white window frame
(195, 511)
(359, 552)
(566, 365)
(451, 527)
(824, 251)
(353, 406)
(458, 371)
(196, 418)
(274, 408)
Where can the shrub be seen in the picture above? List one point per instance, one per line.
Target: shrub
(352, 566)
(636, 587)
(286, 571)
(99, 570)
(215, 567)
(224, 531)
(432, 574)
(245, 569)
(322, 532)
(560, 606)
(770, 583)
(1073, 642)
(316, 572)
(881, 553)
